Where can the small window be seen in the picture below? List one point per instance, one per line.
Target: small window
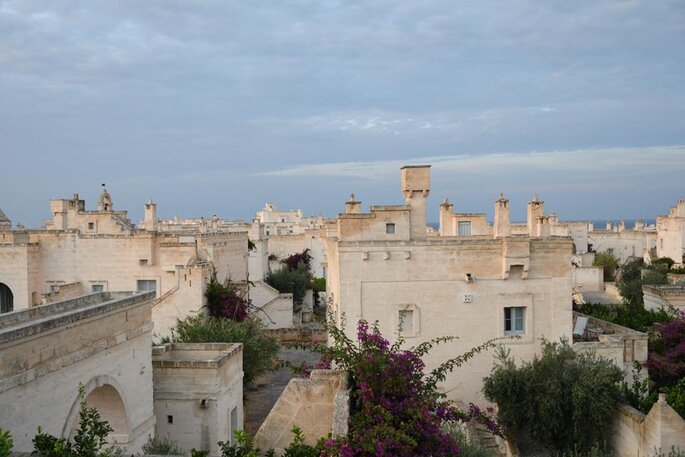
(514, 320)
(406, 320)
(464, 228)
(97, 288)
(91, 225)
(146, 285)
(170, 419)
(390, 229)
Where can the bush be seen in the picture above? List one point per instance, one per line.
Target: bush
(666, 361)
(259, 350)
(664, 261)
(563, 400)
(631, 316)
(6, 443)
(161, 446)
(677, 270)
(629, 281)
(609, 262)
(467, 440)
(396, 409)
(89, 439)
(226, 299)
(293, 281)
(675, 396)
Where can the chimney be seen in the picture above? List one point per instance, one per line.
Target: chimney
(416, 186)
(352, 206)
(502, 220)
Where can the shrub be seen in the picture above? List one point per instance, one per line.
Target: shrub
(88, 441)
(609, 262)
(629, 281)
(666, 361)
(677, 270)
(6, 443)
(562, 399)
(466, 439)
(161, 446)
(226, 299)
(631, 316)
(396, 409)
(294, 281)
(675, 396)
(293, 261)
(664, 261)
(259, 350)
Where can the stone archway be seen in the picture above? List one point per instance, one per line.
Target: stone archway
(6, 299)
(102, 394)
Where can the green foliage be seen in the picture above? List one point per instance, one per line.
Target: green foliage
(629, 315)
(563, 400)
(291, 281)
(243, 447)
(468, 442)
(636, 394)
(298, 448)
(609, 262)
(677, 270)
(319, 284)
(6, 443)
(89, 440)
(595, 451)
(675, 396)
(629, 281)
(664, 261)
(161, 446)
(250, 245)
(654, 277)
(195, 453)
(259, 349)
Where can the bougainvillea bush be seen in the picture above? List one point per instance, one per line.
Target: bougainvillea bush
(396, 408)
(666, 361)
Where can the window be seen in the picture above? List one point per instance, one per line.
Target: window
(406, 319)
(91, 225)
(514, 320)
(464, 228)
(390, 229)
(97, 288)
(146, 285)
(170, 419)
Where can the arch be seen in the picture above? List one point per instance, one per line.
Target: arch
(6, 299)
(103, 394)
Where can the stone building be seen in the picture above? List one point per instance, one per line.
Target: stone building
(198, 393)
(671, 233)
(101, 341)
(80, 251)
(469, 282)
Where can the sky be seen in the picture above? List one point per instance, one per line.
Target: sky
(216, 107)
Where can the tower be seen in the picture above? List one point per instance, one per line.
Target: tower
(416, 184)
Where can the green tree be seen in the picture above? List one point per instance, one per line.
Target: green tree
(629, 281)
(562, 399)
(608, 262)
(259, 349)
(294, 281)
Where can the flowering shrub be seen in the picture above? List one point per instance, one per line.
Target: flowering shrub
(396, 408)
(666, 361)
(293, 261)
(226, 299)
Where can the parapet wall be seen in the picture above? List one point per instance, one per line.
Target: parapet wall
(637, 435)
(318, 405)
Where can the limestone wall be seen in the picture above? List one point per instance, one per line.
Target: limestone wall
(664, 296)
(425, 282)
(588, 279)
(274, 309)
(637, 435)
(317, 405)
(198, 396)
(101, 341)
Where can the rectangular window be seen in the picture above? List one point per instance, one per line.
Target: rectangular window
(465, 228)
(514, 320)
(146, 285)
(97, 288)
(390, 229)
(170, 419)
(91, 225)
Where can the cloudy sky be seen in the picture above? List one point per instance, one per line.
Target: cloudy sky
(219, 106)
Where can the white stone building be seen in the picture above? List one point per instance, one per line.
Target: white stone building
(383, 267)
(671, 233)
(80, 251)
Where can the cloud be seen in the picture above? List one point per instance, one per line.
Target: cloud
(575, 163)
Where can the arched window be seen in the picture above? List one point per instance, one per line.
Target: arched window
(6, 299)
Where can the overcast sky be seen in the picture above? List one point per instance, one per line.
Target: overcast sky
(219, 106)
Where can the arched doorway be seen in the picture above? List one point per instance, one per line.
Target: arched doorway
(6, 299)
(106, 400)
